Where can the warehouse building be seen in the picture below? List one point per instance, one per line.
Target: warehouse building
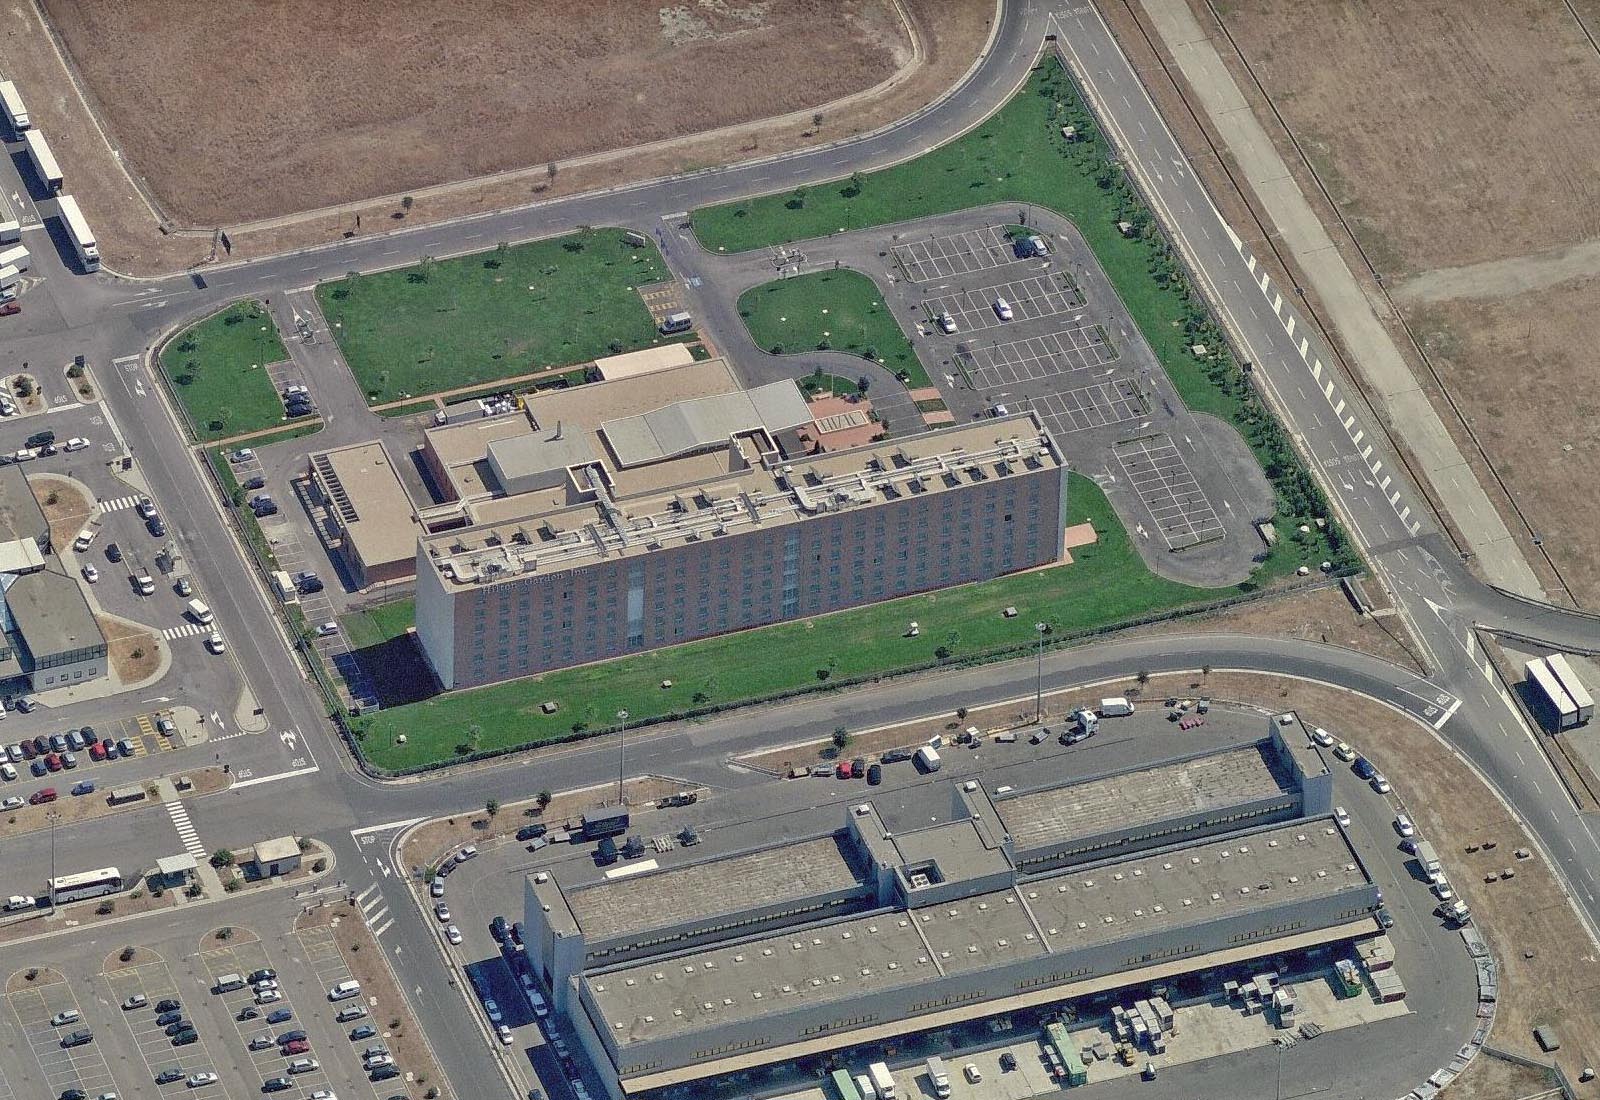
(865, 933)
(372, 527)
(628, 515)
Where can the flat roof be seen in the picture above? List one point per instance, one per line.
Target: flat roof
(21, 515)
(1061, 814)
(1054, 914)
(50, 612)
(589, 406)
(751, 880)
(566, 536)
(631, 364)
(371, 503)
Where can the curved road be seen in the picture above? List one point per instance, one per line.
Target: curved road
(106, 318)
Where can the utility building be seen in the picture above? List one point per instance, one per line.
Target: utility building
(865, 933)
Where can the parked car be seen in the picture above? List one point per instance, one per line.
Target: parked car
(1380, 784)
(453, 935)
(505, 1034)
(291, 1037)
(137, 1000)
(299, 1046)
(184, 1038)
(280, 1015)
(308, 583)
(491, 1008)
(497, 929)
(243, 454)
(40, 797)
(365, 1031)
(947, 324)
(167, 1004)
(531, 832)
(113, 553)
(215, 643)
(354, 1012)
(275, 1084)
(262, 1042)
(169, 1075)
(1404, 826)
(254, 483)
(201, 1079)
(1363, 768)
(1344, 752)
(1342, 816)
(76, 443)
(436, 888)
(91, 574)
(156, 526)
(442, 911)
(11, 802)
(1002, 309)
(66, 1016)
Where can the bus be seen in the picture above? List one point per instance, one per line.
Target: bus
(78, 232)
(88, 884)
(44, 161)
(846, 1088)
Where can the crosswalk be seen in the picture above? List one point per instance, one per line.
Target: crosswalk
(187, 630)
(118, 503)
(374, 910)
(186, 830)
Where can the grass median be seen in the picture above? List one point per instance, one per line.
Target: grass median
(1106, 583)
(839, 310)
(217, 368)
(443, 324)
(1020, 155)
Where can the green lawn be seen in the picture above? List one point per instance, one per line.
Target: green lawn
(1019, 156)
(378, 624)
(444, 324)
(1107, 583)
(839, 309)
(217, 368)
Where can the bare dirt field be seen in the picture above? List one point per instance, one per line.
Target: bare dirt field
(949, 35)
(1453, 140)
(243, 111)
(135, 654)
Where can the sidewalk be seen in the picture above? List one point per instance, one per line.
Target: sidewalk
(1372, 351)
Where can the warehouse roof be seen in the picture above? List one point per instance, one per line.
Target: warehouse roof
(714, 888)
(21, 516)
(50, 613)
(369, 502)
(631, 364)
(1127, 800)
(1114, 901)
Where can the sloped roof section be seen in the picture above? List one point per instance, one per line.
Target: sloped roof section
(688, 426)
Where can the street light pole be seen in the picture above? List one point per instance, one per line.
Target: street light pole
(52, 817)
(1038, 678)
(622, 754)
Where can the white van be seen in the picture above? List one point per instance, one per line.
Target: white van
(17, 901)
(228, 983)
(344, 990)
(200, 612)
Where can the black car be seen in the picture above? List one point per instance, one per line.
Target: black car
(167, 1005)
(169, 1075)
(257, 482)
(156, 526)
(874, 774)
(309, 583)
(40, 439)
(179, 1026)
(27, 750)
(280, 1015)
(497, 929)
(1008, 1062)
(41, 745)
(266, 973)
(185, 1037)
(264, 508)
(365, 1031)
(171, 1016)
(532, 832)
(291, 1037)
(74, 1094)
(384, 1073)
(113, 552)
(38, 768)
(275, 1084)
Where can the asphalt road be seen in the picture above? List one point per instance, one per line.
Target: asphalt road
(295, 771)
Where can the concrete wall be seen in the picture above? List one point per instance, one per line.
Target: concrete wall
(90, 668)
(436, 621)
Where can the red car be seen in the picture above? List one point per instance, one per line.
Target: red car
(299, 1046)
(9, 309)
(53, 761)
(40, 797)
(97, 751)
(845, 770)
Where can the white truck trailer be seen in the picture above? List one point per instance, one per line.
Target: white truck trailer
(882, 1080)
(1560, 711)
(78, 232)
(15, 256)
(44, 161)
(11, 103)
(1558, 664)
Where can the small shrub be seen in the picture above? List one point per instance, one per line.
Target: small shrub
(127, 954)
(319, 866)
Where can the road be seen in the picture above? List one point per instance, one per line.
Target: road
(107, 318)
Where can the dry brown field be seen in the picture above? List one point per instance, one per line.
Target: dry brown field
(233, 112)
(1454, 136)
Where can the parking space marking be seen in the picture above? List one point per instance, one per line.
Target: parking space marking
(243, 960)
(155, 981)
(952, 254)
(1095, 406)
(1075, 348)
(1031, 299)
(1169, 491)
(82, 1067)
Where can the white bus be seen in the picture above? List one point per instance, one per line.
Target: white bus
(44, 161)
(11, 101)
(88, 884)
(78, 232)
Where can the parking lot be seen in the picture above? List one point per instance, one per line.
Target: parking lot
(1096, 406)
(82, 1067)
(1163, 480)
(155, 981)
(1077, 347)
(952, 254)
(1032, 298)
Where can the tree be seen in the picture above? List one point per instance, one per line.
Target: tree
(816, 121)
(406, 203)
(1205, 670)
(25, 386)
(127, 954)
(857, 183)
(543, 799)
(550, 171)
(492, 807)
(222, 858)
(841, 738)
(961, 714)
(863, 384)
(1143, 677)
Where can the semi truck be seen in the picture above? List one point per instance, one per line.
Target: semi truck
(44, 161)
(78, 232)
(11, 102)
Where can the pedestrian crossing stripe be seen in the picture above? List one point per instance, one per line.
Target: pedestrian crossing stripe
(186, 829)
(187, 630)
(119, 503)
